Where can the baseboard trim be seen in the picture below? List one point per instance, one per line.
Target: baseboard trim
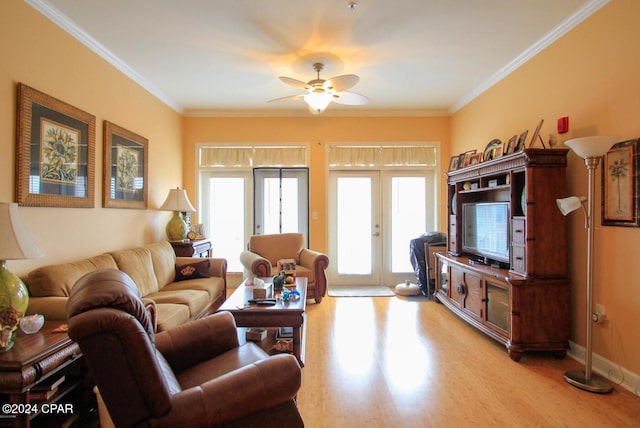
(617, 374)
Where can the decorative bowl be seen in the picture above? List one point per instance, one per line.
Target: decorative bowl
(32, 323)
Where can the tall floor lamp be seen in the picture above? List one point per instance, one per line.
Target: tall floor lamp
(590, 149)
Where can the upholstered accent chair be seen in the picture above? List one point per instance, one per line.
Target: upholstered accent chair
(263, 252)
(191, 375)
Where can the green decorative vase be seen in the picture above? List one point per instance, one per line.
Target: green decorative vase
(13, 294)
(176, 228)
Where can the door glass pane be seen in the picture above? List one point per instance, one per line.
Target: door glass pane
(271, 206)
(227, 213)
(290, 195)
(408, 218)
(354, 229)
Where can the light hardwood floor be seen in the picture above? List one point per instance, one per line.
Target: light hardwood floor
(394, 362)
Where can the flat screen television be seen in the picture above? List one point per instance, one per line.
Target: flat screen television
(485, 230)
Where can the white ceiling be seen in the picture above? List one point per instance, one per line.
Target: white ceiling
(223, 57)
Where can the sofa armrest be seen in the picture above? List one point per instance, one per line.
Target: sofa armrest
(189, 344)
(313, 260)
(250, 389)
(255, 264)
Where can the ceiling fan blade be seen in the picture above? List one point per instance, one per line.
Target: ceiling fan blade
(349, 98)
(287, 98)
(295, 83)
(341, 83)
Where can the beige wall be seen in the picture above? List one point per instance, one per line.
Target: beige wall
(591, 76)
(36, 52)
(317, 132)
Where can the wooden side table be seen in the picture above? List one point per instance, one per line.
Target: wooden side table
(192, 248)
(45, 357)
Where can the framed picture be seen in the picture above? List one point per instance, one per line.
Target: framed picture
(621, 185)
(521, 141)
(497, 152)
(511, 145)
(467, 157)
(199, 230)
(125, 161)
(55, 152)
(475, 158)
(453, 163)
(536, 135)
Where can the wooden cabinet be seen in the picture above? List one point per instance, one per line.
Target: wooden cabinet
(523, 303)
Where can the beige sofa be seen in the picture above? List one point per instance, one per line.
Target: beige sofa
(154, 268)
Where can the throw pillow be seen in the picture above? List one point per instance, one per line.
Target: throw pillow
(193, 270)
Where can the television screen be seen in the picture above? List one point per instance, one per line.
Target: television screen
(486, 230)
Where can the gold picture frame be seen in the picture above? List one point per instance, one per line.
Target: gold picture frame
(125, 162)
(55, 152)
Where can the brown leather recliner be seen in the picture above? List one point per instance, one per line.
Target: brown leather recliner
(195, 375)
(263, 252)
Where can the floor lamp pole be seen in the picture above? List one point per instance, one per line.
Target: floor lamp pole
(587, 380)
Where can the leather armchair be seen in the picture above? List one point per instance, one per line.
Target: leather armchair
(194, 375)
(263, 252)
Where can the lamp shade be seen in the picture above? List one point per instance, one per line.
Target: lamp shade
(570, 204)
(588, 147)
(177, 200)
(318, 101)
(15, 241)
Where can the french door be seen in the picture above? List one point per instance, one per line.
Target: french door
(373, 215)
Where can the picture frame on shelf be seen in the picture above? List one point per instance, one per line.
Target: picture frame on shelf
(55, 152)
(125, 168)
(511, 145)
(498, 152)
(475, 158)
(536, 136)
(521, 141)
(621, 185)
(453, 163)
(199, 230)
(467, 156)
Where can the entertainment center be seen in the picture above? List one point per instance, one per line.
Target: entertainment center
(505, 271)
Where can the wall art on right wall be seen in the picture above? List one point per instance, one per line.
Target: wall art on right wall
(621, 185)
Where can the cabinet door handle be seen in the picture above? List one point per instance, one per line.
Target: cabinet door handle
(460, 288)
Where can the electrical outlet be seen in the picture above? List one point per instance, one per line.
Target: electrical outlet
(599, 315)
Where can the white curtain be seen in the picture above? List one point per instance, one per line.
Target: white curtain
(382, 156)
(252, 156)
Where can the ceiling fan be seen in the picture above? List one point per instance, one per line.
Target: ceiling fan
(321, 92)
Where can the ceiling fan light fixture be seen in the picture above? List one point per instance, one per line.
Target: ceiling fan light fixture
(317, 101)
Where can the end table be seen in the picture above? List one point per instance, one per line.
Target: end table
(194, 248)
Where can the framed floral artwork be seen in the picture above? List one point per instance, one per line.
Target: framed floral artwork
(621, 185)
(55, 152)
(125, 160)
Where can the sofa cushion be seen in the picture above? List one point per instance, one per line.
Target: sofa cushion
(137, 263)
(58, 280)
(214, 286)
(163, 258)
(171, 315)
(193, 270)
(195, 300)
(276, 247)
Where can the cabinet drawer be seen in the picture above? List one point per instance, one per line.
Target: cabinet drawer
(518, 259)
(518, 231)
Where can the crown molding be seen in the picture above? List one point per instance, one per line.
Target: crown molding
(68, 25)
(567, 25)
(303, 112)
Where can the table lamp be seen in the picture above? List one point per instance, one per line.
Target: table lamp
(15, 244)
(178, 202)
(590, 149)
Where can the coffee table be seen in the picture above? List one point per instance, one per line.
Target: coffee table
(282, 314)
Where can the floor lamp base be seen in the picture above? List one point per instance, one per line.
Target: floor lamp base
(597, 383)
